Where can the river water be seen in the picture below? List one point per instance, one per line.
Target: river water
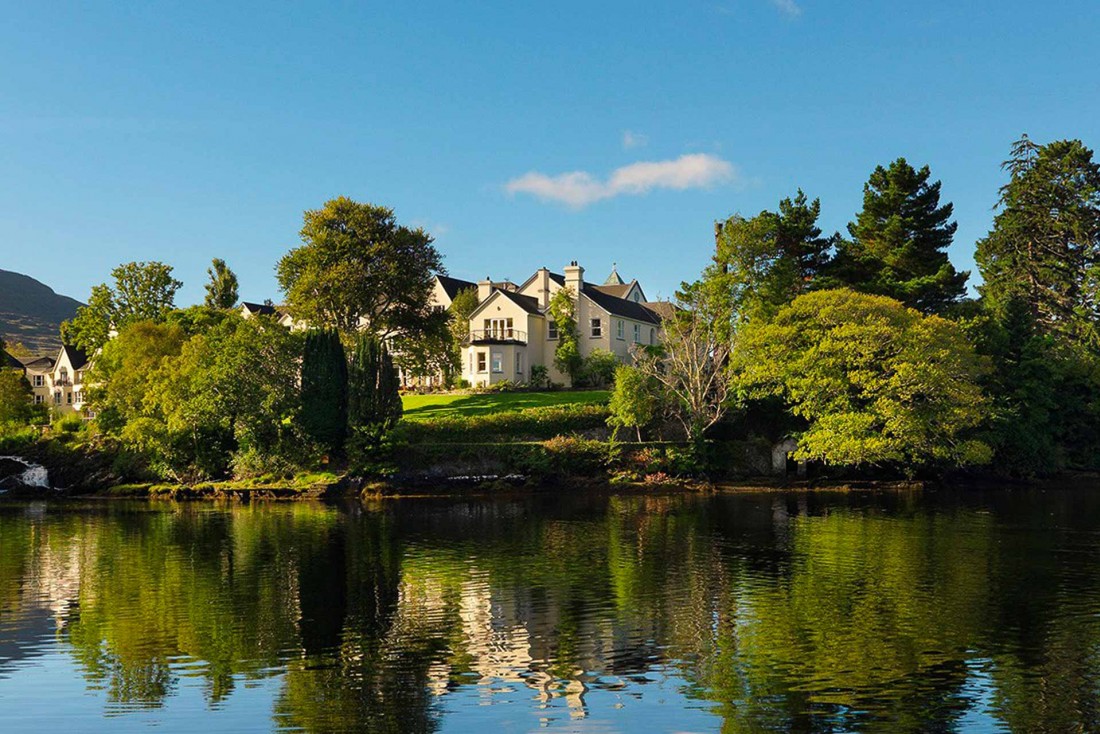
(830, 612)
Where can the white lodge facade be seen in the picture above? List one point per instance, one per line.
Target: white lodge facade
(58, 383)
(511, 329)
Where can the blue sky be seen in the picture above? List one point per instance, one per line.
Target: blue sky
(185, 131)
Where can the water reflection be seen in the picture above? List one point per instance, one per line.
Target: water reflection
(814, 613)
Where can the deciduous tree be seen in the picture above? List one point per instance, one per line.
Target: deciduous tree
(358, 268)
(878, 383)
(142, 291)
(221, 291)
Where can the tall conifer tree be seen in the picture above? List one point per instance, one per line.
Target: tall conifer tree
(899, 241)
(324, 412)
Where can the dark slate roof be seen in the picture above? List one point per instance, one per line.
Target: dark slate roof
(557, 278)
(259, 308)
(620, 306)
(40, 364)
(530, 304)
(617, 290)
(6, 360)
(452, 286)
(77, 357)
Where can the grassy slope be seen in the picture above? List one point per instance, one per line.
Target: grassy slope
(420, 407)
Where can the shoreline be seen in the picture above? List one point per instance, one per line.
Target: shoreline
(346, 489)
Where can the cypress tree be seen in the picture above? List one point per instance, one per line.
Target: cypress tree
(324, 390)
(898, 245)
(374, 403)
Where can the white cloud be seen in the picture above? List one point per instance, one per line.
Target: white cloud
(632, 139)
(789, 8)
(580, 188)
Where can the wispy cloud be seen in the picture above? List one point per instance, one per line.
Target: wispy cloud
(789, 8)
(580, 188)
(632, 139)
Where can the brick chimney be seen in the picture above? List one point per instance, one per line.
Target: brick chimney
(574, 277)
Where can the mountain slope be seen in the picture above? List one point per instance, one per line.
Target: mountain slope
(31, 313)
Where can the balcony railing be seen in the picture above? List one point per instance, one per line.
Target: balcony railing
(501, 335)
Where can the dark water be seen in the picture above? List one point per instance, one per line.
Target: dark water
(814, 613)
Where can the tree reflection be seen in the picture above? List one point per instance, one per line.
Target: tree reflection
(813, 613)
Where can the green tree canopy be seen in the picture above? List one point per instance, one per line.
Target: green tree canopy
(142, 291)
(1044, 248)
(358, 268)
(221, 290)
(764, 262)
(879, 383)
(899, 241)
(15, 396)
(635, 399)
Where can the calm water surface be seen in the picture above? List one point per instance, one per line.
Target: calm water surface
(948, 611)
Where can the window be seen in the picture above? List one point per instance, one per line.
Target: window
(57, 398)
(498, 362)
(519, 363)
(637, 334)
(481, 361)
(597, 329)
(652, 336)
(39, 380)
(471, 363)
(69, 398)
(552, 330)
(78, 396)
(637, 297)
(37, 399)
(619, 329)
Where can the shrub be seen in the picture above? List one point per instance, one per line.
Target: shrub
(540, 377)
(68, 424)
(598, 369)
(510, 426)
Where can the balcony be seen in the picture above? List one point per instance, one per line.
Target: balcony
(501, 335)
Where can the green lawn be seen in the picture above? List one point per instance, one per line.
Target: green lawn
(421, 407)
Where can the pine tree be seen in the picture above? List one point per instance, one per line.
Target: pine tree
(899, 241)
(1044, 247)
(374, 402)
(324, 412)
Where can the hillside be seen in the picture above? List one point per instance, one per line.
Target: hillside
(31, 313)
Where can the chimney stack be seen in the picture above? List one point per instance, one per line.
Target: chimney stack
(574, 277)
(484, 289)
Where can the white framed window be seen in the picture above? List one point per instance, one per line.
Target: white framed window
(471, 361)
(619, 329)
(498, 362)
(637, 334)
(551, 330)
(57, 398)
(39, 380)
(69, 398)
(37, 399)
(78, 397)
(519, 363)
(481, 361)
(597, 329)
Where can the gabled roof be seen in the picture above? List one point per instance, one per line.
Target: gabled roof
(614, 278)
(620, 306)
(258, 308)
(77, 357)
(530, 304)
(453, 286)
(40, 364)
